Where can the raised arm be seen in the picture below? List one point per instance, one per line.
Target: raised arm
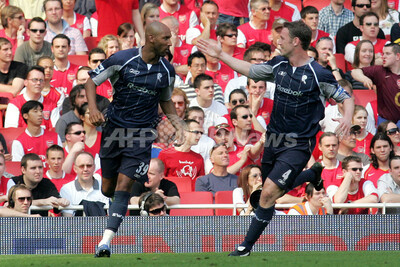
(243, 67)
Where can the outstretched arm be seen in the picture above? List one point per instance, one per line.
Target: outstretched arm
(243, 67)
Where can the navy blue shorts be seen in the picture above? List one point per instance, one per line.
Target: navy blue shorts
(284, 160)
(126, 151)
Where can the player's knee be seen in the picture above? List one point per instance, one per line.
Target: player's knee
(108, 192)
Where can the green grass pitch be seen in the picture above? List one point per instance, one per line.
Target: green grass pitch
(298, 259)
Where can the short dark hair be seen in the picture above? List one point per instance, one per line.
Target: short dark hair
(196, 54)
(54, 147)
(35, 67)
(200, 78)
(300, 30)
(354, 2)
(264, 46)
(29, 156)
(209, 2)
(96, 50)
(152, 200)
(194, 109)
(37, 19)
(188, 122)
(249, 52)
(74, 93)
(224, 27)
(347, 160)
(395, 47)
(237, 91)
(308, 10)
(43, 58)
(327, 134)
(393, 158)
(314, 50)
(233, 113)
(61, 36)
(368, 14)
(46, 1)
(70, 125)
(29, 105)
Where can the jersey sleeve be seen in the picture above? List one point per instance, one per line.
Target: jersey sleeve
(105, 70)
(330, 88)
(261, 72)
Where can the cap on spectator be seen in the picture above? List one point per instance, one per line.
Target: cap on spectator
(278, 23)
(214, 129)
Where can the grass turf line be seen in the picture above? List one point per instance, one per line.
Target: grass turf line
(341, 258)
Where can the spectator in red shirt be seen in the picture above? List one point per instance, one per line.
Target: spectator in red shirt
(332, 172)
(34, 139)
(257, 29)
(310, 16)
(33, 91)
(181, 161)
(353, 188)
(207, 29)
(55, 158)
(76, 20)
(64, 71)
(228, 34)
(3, 180)
(363, 140)
(381, 151)
(13, 22)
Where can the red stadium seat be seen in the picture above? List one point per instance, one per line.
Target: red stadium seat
(362, 97)
(10, 134)
(80, 60)
(223, 197)
(341, 62)
(184, 184)
(91, 42)
(194, 198)
(13, 167)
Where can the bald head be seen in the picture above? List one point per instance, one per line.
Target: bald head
(155, 28)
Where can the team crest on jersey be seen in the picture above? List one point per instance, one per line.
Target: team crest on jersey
(225, 77)
(159, 76)
(265, 115)
(71, 77)
(303, 79)
(46, 114)
(182, 18)
(184, 52)
(49, 143)
(398, 83)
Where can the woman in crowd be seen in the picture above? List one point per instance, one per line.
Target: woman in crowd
(391, 130)
(364, 56)
(149, 14)
(126, 36)
(92, 136)
(110, 44)
(381, 151)
(249, 180)
(315, 203)
(14, 26)
(363, 141)
(387, 16)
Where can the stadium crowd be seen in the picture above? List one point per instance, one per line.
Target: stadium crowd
(46, 57)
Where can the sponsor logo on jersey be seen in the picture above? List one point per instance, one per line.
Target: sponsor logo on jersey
(133, 71)
(282, 73)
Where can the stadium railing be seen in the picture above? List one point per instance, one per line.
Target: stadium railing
(382, 206)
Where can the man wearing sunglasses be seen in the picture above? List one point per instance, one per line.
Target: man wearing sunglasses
(369, 26)
(257, 29)
(86, 186)
(36, 47)
(152, 205)
(351, 31)
(353, 189)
